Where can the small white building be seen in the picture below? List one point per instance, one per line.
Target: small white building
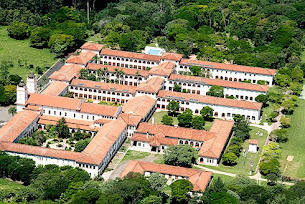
(253, 145)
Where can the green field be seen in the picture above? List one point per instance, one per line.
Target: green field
(135, 155)
(295, 145)
(12, 50)
(158, 118)
(243, 164)
(7, 184)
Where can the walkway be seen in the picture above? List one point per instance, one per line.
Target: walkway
(257, 176)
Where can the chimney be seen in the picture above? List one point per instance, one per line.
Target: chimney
(147, 134)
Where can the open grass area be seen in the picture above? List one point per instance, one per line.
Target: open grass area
(158, 118)
(135, 155)
(295, 144)
(243, 165)
(12, 50)
(97, 38)
(7, 184)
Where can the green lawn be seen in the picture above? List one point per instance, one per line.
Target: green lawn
(97, 38)
(135, 155)
(12, 50)
(243, 164)
(295, 145)
(7, 184)
(158, 118)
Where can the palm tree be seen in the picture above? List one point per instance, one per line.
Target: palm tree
(96, 59)
(106, 72)
(138, 76)
(121, 74)
(12, 110)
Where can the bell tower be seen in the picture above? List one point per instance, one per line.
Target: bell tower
(31, 83)
(22, 96)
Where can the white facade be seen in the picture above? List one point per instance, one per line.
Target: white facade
(229, 75)
(224, 112)
(202, 89)
(127, 62)
(252, 148)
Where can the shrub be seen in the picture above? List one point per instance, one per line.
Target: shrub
(18, 30)
(39, 37)
(229, 159)
(285, 122)
(279, 135)
(61, 44)
(167, 120)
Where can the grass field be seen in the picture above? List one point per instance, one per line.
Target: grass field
(243, 164)
(7, 184)
(295, 145)
(134, 155)
(12, 50)
(158, 118)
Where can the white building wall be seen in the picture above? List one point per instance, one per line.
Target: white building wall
(234, 75)
(224, 112)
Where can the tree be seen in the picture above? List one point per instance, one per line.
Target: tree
(270, 166)
(61, 44)
(167, 120)
(110, 198)
(229, 159)
(185, 118)
(218, 185)
(81, 145)
(272, 178)
(173, 107)
(180, 155)
(285, 122)
(298, 189)
(180, 188)
(296, 88)
(39, 37)
(288, 106)
(12, 110)
(242, 129)
(221, 197)
(62, 129)
(262, 98)
(216, 91)
(207, 113)
(196, 70)
(18, 30)
(282, 80)
(279, 135)
(88, 196)
(198, 122)
(152, 199)
(157, 181)
(177, 88)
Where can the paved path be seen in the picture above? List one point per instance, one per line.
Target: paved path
(257, 176)
(4, 116)
(43, 80)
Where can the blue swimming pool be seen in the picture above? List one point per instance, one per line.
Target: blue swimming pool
(154, 52)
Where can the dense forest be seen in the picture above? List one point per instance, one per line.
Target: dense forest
(264, 33)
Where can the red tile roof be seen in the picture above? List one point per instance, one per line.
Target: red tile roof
(111, 69)
(99, 109)
(92, 46)
(139, 105)
(133, 55)
(217, 82)
(54, 101)
(213, 148)
(131, 119)
(232, 67)
(154, 130)
(253, 141)
(152, 85)
(171, 56)
(209, 100)
(163, 69)
(200, 179)
(55, 88)
(104, 86)
(16, 125)
(71, 123)
(82, 58)
(61, 76)
(71, 69)
(102, 142)
(41, 151)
